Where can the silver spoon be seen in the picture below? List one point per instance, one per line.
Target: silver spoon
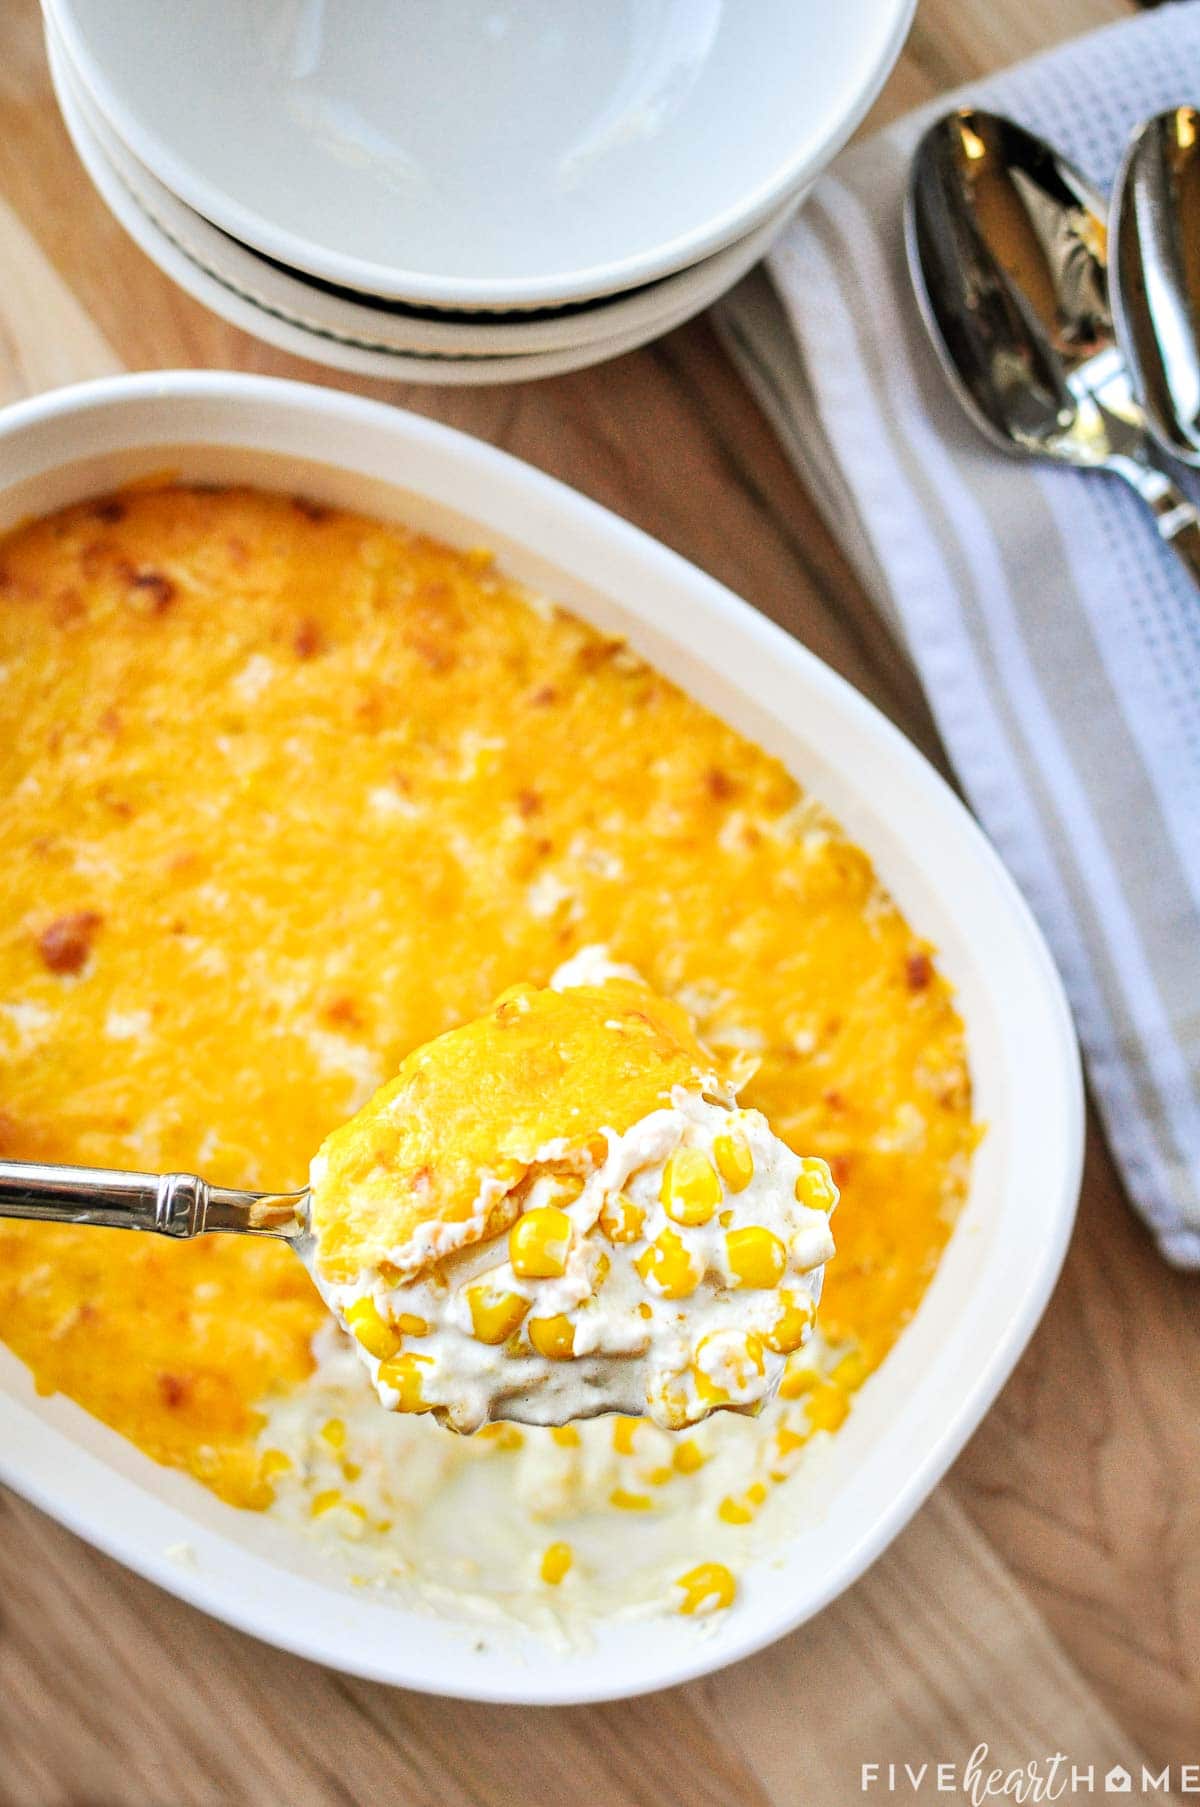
(1007, 248)
(1156, 274)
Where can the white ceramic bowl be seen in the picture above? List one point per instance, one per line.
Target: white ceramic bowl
(913, 1416)
(353, 321)
(299, 319)
(486, 154)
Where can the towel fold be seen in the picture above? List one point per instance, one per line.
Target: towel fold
(1058, 640)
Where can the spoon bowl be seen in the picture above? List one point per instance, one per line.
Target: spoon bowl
(1156, 274)
(1006, 242)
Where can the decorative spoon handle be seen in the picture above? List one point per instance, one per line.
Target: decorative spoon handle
(172, 1204)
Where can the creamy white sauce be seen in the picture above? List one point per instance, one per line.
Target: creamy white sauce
(460, 1525)
(637, 1349)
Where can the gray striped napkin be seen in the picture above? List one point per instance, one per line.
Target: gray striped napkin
(1058, 641)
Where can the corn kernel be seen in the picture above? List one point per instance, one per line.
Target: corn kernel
(553, 1337)
(815, 1189)
(351, 1471)
(403, 1375)
(735, 1356)
(374, 1333)
(505, 1436)
(658, 1477)
(756, 1257)
(630, 1502)
(645, 1311)
(556, 1561)
(274, 1461)
(494, 1315)
(688, 1456)
(538, 1243)
(797, 1380)
(668, 1266)
(735, 1163)
(565, 1435)
(707, 1588)
(788, 1442)
(620, 1219)
(810, 1249)
(709, 1393)
(601, 1271)
(740, 1512)
(333, 1431)
(827, 1407)
(851, 1371)
(674, 1411)
(409, 1324)
(691, 1190)
(325, 1501)
(791, 1327)
(623, 1434)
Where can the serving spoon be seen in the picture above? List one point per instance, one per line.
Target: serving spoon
(183, 1205)
(1156, 274)
(1007, 245)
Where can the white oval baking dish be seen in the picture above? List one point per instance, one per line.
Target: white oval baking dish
(913, 1416)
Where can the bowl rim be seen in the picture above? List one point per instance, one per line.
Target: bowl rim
(39, 1460)
(589, 283)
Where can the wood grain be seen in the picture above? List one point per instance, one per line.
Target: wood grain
(1047, 1598)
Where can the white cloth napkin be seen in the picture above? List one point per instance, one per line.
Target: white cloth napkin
(1057, 639)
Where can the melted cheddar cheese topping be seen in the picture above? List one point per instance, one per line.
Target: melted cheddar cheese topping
(287, 792)
(400, 1182)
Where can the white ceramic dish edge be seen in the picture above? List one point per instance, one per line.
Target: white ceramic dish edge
(581, 285)
(1000, 1264)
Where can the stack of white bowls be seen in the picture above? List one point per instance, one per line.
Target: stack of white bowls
(461, 191)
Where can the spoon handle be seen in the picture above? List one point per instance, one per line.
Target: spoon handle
(1177, 519)
(171, 1204)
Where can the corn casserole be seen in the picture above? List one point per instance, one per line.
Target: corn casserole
(287, 793)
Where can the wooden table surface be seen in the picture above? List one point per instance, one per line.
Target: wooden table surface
(1046, 1599)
